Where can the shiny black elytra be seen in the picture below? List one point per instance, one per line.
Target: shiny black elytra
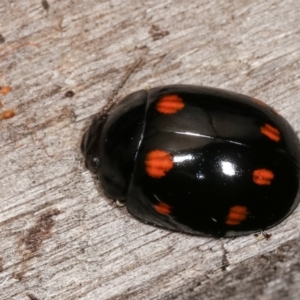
(197, 160)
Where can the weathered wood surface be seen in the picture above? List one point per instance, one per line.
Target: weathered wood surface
(61, 238)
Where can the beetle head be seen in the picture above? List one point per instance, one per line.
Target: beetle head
(91, 142)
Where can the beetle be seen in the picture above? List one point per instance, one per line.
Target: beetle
(198, 160)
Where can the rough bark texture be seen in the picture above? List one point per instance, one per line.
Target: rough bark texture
(61, 238)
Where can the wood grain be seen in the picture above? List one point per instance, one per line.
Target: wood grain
(61, 238)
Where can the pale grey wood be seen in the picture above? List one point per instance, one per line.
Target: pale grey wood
(61, 238)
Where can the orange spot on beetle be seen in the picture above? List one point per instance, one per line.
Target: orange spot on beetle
(7, 114)
(263, 176)
(236, 215)
(158, 163)
(163, 208)
(5, 90)
(170, 104)
(271, 132)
